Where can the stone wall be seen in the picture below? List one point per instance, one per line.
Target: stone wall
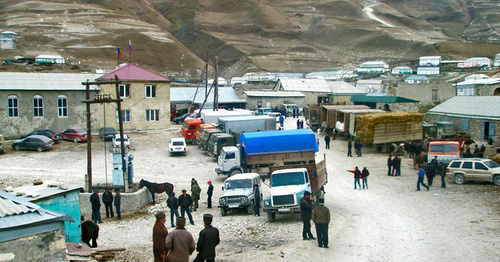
(131, 202)
(423, 92)
(49, 246)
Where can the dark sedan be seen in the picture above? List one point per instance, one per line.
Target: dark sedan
(44, 132)
(74, 134)
(107, 133)
(34, 142)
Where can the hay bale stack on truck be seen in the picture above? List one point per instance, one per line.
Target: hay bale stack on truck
(288, 156)
(382, 129)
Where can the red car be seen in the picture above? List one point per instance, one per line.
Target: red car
(76, 134)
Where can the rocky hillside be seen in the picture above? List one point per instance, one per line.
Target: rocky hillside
(249, 35)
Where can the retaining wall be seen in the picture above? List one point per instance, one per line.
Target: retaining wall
(131, 203)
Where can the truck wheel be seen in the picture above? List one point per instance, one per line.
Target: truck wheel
(496, 180)
(459, 179)
(223, 211)
(234, 172)
(271, 216)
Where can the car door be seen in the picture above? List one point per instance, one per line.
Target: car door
(68, 134)
(467, 167)
(482, 172)
(29, 143)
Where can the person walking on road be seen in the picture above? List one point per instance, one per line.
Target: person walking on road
(185, 201)
(256, 197)
(159, 234)
(282, 120)
(298, 123)
(327, 140)
(179, 242)
(365, 173)
(96, 206)
(389, 165)
(210, 191)
(430, 172)
(421, 179)
(173, 205)
(117, 203)
(306, 207)
(207, 241)
(195, 194)
(321, 219)
(349, 147)
(357, 177)
(107, 199)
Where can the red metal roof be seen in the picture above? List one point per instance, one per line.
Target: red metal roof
(134, 73)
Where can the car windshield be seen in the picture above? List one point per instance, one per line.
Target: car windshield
(240, 183)
(185, 125)
(81, 131)
(287, 179)
(119, 139)
(444, 148)
(178, 143)
(491, 164)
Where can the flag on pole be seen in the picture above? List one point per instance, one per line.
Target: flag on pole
(119, 54)
(129, 46)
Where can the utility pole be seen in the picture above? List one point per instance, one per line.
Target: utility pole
(206, 74)
(216, 83)
(89, 139)
(120, 124)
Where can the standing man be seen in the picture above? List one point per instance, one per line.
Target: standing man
(396, 166)
(207, 241)
(96, 206)
(282, 120)
(173, 205)
(185, 201)
(107, 199)
(357, 177)
(349, 147)
(365, 173)
(421, 179)
(180, 243)
(430, 172)
(256, 198)
(195, 194)
(210, 191)
(321, 219)
(389, 165)
(327, 140)
(442, 172)
(306, 207)
(434, 161)
(358, 145)
(298, 123)
(159, 234)
(118, 202)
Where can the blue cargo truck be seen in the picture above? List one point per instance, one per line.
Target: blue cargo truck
(287, 156)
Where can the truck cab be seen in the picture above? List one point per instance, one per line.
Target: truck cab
(287, 188)
(238, 193)
(217, 142)
(189, 128)
(229, 161)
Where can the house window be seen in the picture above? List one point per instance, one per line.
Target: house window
(37, 106)
(62, 106)
(152, 115)
(125, 116)
(124, 91)
(13, 106)
(150, 91)
(465, 124)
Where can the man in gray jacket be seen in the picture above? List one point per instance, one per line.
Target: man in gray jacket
(321, 219)
(179, 242)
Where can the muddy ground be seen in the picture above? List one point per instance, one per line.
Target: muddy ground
(390, 221)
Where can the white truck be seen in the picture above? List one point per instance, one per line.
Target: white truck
(238, 193)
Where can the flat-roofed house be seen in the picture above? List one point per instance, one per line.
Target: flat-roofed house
(429, 61)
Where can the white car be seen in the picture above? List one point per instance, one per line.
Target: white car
(275, 114)
(117, 141)
(177, 146)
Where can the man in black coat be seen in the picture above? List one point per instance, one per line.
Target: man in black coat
(210, 191)
(173, 204)
(327, 140)
(96, 206)
(107, 199)
(389, 165)
(349, 147)
(256, 199)
(306, 207)
(117, 203)
(185, 201)
(430, 172)
(207, 241)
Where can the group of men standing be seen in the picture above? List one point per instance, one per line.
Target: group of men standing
(361, 174)
(109, 200)
(394, 166)
(320, 216)
(430, 171)
(358, 146)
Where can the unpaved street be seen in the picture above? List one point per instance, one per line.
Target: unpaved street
(388, 222)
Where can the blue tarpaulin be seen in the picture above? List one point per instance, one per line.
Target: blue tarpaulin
(293, 140)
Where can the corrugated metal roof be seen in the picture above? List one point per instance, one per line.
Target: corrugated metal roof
(274, 94)
(45, 81)
(186, 94)
(129, 72)
(343, 88)
(473, 82)
(35, 193)
(305, 85)
(8, 207)
(480, 107)
(382, 99)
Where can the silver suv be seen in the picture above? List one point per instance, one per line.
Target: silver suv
(474, 169)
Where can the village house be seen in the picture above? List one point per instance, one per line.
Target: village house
(316, 91)
(7, 40)
(417, 80)
(429, 61)
(477, 115)
(430, 71)
(478, 85)
(50, 60)
(402, 70)
(370, 86)
(436, 91)
(342, 92)
(146, 99)
(43, 101)
(475, 62)
(181, 98)
(371, 67)
(257, 99)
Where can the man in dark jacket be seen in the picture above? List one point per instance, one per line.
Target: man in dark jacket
(107, 199)
(321, 219)
(96, 206)
(365, 173)
(173, 204)
(389, 165)
(357, 177)
(195, 195)
(327, 140)
(306, 207)
(430, 172)
(207, 241)
(349, 147)
(185, 201)
(117, 203)
(256, 199)
(159, 234)
(210, 191)
(396, 166)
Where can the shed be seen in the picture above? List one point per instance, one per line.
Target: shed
(57, 198)
(29, 232)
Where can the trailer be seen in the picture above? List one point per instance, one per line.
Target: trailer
(246, 124)
(209, 116)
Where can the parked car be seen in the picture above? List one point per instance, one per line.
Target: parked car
(275, 114)
(107, 133)
(76, 134)
(34, 142)
(474, 169)
(180, 119)
(117, 141)
(2, 144)
(44, 132)
(238, 193)
(177, 145)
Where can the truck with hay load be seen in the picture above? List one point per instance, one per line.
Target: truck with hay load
(383, 129)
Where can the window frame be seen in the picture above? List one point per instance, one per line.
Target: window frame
(150, 91)
(13, 110)
(62, 110)
(155, 117)
(125, 90)
(38, 110)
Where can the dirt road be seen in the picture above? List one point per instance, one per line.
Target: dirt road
(388, 222)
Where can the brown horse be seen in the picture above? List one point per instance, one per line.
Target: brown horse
(156, 188)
